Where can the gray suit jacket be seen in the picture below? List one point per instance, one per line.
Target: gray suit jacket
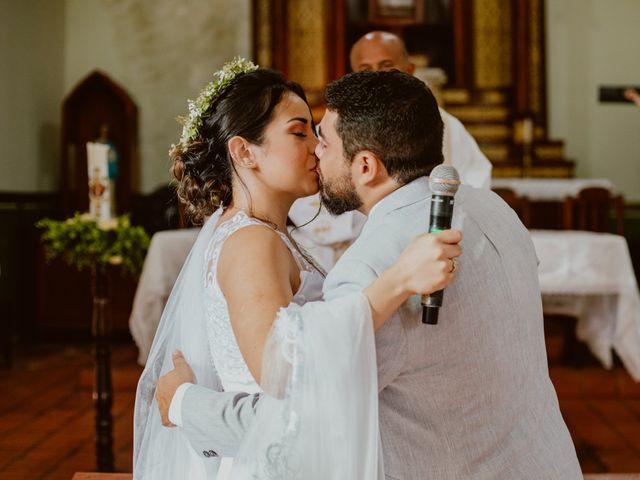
(467, 398)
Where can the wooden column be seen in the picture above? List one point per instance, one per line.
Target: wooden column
(461, 13)
(337, 51)
(102, 390)
(521, 55)
(270, 34)
(524, 125)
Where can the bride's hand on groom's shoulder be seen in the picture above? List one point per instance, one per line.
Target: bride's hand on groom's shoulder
(169, 383)
(428, 263)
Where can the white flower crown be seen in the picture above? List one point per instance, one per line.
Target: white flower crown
(199, 108)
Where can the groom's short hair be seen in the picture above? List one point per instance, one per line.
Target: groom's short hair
(391, 114)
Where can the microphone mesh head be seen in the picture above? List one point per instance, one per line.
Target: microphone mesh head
(444, 180)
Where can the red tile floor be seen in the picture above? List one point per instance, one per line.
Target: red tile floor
(47, 418)
(46, 414)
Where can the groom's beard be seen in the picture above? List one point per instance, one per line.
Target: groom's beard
(339, 195)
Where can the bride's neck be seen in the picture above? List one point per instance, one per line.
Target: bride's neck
(270, 208)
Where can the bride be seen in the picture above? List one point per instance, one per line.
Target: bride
(246, 309)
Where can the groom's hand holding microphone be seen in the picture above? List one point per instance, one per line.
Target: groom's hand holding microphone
(429, 261)
(169, 383)
(443, 183)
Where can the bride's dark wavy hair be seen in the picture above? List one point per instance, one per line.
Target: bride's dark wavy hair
(203, 168)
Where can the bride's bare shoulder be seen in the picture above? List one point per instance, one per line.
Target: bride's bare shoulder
(253, 241)
(255, 251)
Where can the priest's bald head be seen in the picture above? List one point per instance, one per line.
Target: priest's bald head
(380, 51)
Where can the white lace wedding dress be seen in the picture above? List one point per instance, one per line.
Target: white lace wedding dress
(319, 419)
(227, 358)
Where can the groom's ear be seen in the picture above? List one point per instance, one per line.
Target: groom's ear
(241, 153)
(367, 169)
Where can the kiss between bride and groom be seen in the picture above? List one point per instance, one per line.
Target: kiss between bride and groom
(279, 373)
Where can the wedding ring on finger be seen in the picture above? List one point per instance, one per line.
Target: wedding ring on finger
(454, 265)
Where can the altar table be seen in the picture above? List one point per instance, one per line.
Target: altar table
(167, 252)
(102, 476)
(589, 276)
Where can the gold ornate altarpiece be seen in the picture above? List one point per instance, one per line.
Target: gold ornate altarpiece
(499, 78)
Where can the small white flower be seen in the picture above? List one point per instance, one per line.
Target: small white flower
(222, 79)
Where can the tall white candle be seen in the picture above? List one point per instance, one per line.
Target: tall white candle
(98, 173)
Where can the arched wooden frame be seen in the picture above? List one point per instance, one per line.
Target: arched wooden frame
(95, 101)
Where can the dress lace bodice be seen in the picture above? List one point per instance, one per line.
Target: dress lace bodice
(225, 353)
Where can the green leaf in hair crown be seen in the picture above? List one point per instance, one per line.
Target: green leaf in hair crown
(199, 109)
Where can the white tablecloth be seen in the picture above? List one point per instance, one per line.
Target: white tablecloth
(550, 189)
(167, 252)
(590, 276)
(582, 274)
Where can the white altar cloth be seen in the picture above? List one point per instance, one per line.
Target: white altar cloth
(550, 189)
(590, 276)
(167, 252)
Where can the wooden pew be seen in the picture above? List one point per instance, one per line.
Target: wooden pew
(612, 476)
(127, 476)
(101, 476)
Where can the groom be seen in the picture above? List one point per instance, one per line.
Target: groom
(467, 398)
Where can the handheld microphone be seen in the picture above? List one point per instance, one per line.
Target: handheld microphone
(443, 182)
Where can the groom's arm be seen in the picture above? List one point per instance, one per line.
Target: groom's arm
(347, 276)
(214, 422)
